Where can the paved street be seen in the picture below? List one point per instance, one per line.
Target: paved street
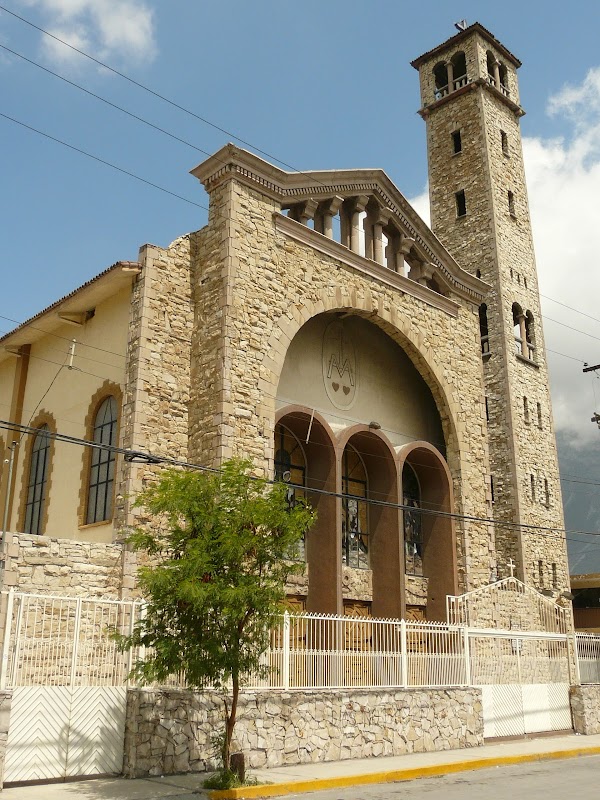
(556, 780)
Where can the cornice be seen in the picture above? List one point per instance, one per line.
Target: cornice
(329, 247)
(233, 163)
(478, 83)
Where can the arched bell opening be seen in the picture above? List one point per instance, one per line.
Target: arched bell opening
(305, 458)
(429, 537)
(369, 529)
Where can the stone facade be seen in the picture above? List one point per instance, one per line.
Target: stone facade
(170, 731)
(44, 565)
(493, 239)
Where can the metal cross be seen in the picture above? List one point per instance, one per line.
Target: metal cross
(511, 565)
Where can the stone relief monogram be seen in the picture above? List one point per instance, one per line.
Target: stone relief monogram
(339, 365)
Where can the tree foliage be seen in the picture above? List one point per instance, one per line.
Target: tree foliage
(215, 579)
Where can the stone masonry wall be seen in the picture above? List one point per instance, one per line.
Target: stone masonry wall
(260, 286)
(585, 708)
(495, 241)
(170, 731)
(44, 565)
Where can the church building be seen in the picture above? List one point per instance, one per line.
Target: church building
(317, 326)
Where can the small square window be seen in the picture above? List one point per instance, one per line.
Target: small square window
(461, 203)
(456, 142)
(504, 142)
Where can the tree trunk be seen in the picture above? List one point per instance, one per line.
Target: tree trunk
(230, 722)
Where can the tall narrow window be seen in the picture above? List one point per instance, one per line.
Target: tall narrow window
(541, 574)
(504, 143)
(461, 203)
(290, 468)
(526, 410)
(539, 415)
(102, 464)
(355, 526)
(487, 408)
(483, 329)
(530, 335)
(511, 204)
(413, 532)
(456, 142)
(554, 576)
(492, 489)
(546, 493)
(37, 481)
(532, 482)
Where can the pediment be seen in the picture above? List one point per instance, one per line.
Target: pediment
(371, 187)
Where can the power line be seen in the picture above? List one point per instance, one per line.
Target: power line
(564, 305)
(58, 336)
(104, 100)
(138, 456)
(103, 161)
(570, 327)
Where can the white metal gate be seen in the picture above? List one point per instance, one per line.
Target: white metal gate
(69, 686)
(58, 732)
(516, 709)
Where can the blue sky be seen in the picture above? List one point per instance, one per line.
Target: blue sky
(316, 84)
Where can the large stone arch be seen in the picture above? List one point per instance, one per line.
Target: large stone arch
(396, 326)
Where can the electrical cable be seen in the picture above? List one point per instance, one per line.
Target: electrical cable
(103, 161)
(138, 456)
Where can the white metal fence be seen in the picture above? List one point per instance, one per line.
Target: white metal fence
(67, 641)
(64, 641)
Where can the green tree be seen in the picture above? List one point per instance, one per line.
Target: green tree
(215, 581)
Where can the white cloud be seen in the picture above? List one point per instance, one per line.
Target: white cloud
(563, 180)
(121, 30)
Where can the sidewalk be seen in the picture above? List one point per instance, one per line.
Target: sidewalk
(313, 777)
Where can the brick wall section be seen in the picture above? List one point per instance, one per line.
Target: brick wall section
(500, 246)
(169, 731)
(269, 286)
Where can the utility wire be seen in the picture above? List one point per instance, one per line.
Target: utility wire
(564, 305)
(103, 161)
(138, 456)
(58, 336)
(104, 100)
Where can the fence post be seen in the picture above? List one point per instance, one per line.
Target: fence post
(467, 648)
(6, 640)
(403, 653)
(576, 676)
(75, 653)
(286, 650)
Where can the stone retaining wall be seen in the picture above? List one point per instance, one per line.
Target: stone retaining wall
(585, 708)
(169, 731)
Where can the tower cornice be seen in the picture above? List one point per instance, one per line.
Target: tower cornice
(476, 27)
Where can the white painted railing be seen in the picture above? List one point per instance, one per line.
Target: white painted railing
(64, 641)
(588, 656)
(67, 641)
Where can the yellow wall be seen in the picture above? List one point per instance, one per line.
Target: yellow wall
(68, 397)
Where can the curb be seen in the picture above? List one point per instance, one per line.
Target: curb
(391, 776)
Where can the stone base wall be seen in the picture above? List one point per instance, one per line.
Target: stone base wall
(585, 709)
(170, 731)
(45, 565)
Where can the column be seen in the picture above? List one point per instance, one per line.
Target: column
(327, 211)
(450, 71)
(496, 69)
(404, 248)
(381, 220)
(358, 208)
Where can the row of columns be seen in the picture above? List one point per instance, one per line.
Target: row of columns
(378, 221)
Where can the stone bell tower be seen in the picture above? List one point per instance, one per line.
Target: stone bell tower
(479, 210)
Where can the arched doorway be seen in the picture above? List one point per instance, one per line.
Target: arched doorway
(429, 538)
(304, 457)
(369, 530)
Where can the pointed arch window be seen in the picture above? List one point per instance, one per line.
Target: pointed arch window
(102, 464)
(37, 482)
(355, 516)
(413, 529)
(290, 468)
